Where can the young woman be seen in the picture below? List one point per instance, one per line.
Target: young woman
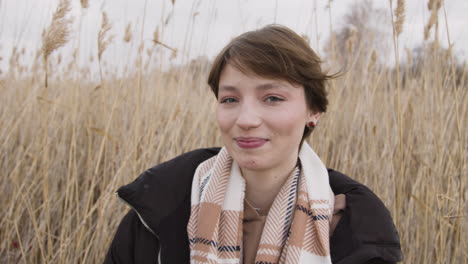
(265, 197)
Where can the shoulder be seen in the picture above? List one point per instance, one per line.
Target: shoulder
(358, 195)
(366, 231)
(342, 183)
(158, 191)
(182, 164)
(177, 170)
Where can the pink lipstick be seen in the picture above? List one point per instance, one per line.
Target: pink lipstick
(250, 142)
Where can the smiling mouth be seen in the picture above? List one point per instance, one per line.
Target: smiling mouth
(250, 142)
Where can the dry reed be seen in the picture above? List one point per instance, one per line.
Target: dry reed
(156, 41)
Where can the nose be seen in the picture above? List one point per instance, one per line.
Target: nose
(249, 116)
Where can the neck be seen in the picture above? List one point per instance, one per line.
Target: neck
(262, 186)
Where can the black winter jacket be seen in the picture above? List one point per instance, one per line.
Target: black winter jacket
(154, 231)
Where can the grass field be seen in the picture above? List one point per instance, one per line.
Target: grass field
(68, 144)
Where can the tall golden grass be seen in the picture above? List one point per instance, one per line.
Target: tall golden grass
(64, 150)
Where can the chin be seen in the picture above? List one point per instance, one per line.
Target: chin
(250, 159)
(249, 163)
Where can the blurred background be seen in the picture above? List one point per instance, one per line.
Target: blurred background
(93, 92)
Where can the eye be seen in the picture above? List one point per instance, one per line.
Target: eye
(228, 100)
(273, 99)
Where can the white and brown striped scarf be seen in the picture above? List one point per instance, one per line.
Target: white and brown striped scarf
(297, 225)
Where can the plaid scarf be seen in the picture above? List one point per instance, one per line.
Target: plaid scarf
(297, 226)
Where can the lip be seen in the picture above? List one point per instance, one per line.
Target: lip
(250, 142)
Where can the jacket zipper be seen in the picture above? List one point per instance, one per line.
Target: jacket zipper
(143, 222)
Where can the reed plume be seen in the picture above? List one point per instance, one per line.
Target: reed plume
(104, 39)
(351, 41)
(433, 6)
(173, 53)
(84, 4)
(400, 16)
(372, 61)
(57, 33)
(128, 33)
(13, 61)
(409, 57)
(156, 36)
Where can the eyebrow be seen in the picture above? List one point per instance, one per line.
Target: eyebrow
(265, 86)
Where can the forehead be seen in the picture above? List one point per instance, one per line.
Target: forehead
(233, 78)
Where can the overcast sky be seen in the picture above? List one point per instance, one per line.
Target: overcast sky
(203, 27)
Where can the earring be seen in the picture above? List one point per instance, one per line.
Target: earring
(311, 124)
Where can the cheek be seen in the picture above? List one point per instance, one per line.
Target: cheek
(223, 119)
(290, 122)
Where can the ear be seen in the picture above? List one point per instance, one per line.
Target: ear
(314, 117)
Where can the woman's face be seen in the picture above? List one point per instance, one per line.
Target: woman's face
(261, 120)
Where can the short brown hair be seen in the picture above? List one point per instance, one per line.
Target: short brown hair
(276, 52)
